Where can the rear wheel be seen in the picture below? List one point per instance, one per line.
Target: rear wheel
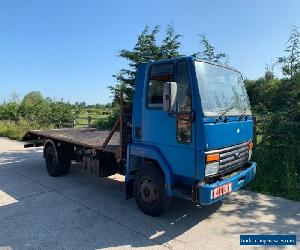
(65, 160)
(56, 163)
(51, 159)
(65, 167)
(149, 191)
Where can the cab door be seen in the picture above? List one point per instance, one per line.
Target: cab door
(172, 133)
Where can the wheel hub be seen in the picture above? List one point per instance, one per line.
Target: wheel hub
(148, 192)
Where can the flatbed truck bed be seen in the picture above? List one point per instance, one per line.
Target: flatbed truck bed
(103, 152)
(85, 137)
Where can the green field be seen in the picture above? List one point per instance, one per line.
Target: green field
(82, 119)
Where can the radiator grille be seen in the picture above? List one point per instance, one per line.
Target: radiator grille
(232, 157)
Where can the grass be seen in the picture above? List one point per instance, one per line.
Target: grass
(16, 130)
(277, 171)
(277, 155)
(95, 114)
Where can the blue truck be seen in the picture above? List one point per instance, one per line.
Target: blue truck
(187, 133)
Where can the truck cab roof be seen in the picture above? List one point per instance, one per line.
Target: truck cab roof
(192, 58)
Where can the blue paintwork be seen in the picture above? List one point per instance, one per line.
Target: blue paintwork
(159, 129)
(206, 189)
(224, 134)
(179, 162)
(138, 97)
(151, 152)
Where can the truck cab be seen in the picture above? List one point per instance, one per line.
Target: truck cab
(192, 132)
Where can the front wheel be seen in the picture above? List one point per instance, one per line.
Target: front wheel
(149, 191)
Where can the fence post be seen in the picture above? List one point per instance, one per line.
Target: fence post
(89, 118)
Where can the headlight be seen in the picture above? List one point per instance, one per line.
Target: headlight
(211, 169)
(212, 164)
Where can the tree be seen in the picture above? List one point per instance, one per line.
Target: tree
(287, 99)
(9, 111)
(170, 44)
(32, 105)
(60, 113)
(45, 112)
(82, 104)
(291, 62)
(209, 53)
(269, 72)
(145, 50)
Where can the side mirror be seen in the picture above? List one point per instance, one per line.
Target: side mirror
(170, 96)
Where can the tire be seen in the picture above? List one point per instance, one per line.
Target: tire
(149, 191)
(52, 164)
(65, 160)
(65, 167)
(56, 164)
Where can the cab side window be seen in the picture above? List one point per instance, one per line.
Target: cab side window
(183, 88)
(159, 74)
(184, 119)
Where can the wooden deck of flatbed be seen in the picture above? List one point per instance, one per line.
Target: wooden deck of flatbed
(85, 137)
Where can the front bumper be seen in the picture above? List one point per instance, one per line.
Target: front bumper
(238, 180)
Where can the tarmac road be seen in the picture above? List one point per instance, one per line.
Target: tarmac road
(79, 211)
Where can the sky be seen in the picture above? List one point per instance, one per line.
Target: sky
(69, 48)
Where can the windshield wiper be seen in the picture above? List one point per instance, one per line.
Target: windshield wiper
(243, 113)
(224, 113)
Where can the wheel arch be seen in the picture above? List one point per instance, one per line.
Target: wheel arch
(138, 155)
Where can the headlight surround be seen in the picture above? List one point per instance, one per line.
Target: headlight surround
(212, 164)
(211, 169)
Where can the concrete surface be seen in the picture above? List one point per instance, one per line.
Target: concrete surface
(79, 211)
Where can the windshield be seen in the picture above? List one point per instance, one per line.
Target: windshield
(222, 90)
